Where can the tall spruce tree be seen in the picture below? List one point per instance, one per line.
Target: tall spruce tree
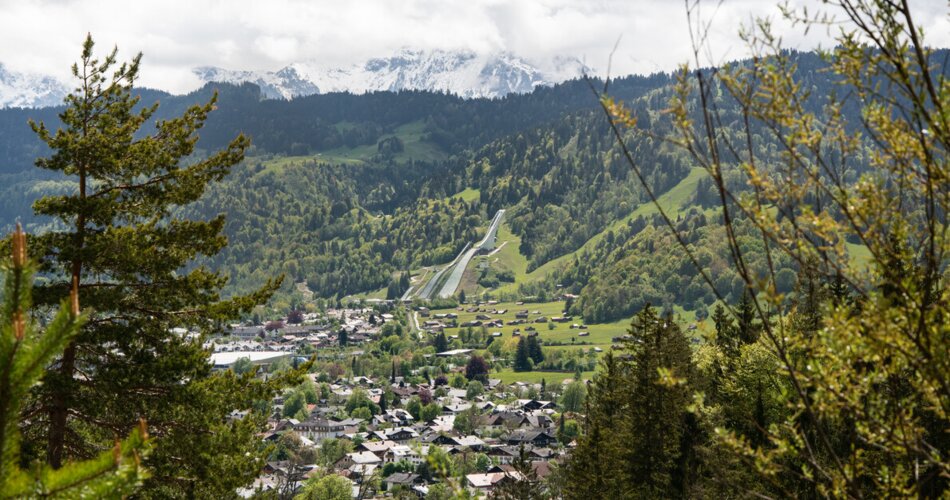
(522, 356)
(638, 418)
(534, 350)
(594, 465)
(127, 250)
(441, 343)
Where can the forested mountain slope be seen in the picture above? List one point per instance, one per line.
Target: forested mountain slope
(346, 192)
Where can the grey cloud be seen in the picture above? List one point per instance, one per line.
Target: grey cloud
(176, 35)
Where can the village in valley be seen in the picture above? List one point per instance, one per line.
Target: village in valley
(400, 399)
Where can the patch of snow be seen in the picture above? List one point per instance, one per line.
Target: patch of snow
(23, 90)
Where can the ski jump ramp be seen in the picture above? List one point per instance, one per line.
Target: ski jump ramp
(444, 283)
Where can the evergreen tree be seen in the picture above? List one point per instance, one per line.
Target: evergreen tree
(124, 247)
(342, 337)
(657, 403)
(725, 331)
(641, 403)
(522, 356)
(747, 327)
(25, 351)
(441, 343)
(595, 464)
(534, 350)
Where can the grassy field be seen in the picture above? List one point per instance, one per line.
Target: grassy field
(468, 195)
(375, 294)
(411, 135)
(600, 335)
(860, 254)
(508, 376)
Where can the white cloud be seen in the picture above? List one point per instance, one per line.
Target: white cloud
(44, 36)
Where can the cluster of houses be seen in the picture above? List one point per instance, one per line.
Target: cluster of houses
(503, 427)
(267, 343)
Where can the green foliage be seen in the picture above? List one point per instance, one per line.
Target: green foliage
(639, 425)
(839, 390)
(243, 365)
(574, 396)
(294, 404)
(26, 350)
(328, 487)
(567, 431)
(429, 412)
(523, 362)
(474, 389)
(360, 399)
(466, 422)
(440, 343)
(534, 349)
(333, 450)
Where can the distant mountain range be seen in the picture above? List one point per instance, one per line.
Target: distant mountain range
(463, 73)
(22, 90)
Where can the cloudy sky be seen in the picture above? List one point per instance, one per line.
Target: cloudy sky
(44, 36)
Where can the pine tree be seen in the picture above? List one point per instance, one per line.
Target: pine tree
(641, 403)
(441, 343)
(522, 356)
(747, 327)
(25, 351)
(534, 350)
(595, 465)
(658, 404)
(382, 402)
(725, 331)
(342, 337)
(124, 246)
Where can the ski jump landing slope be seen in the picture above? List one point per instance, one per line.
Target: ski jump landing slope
(444, 283)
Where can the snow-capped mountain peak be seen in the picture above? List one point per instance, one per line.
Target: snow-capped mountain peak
(464, 73)
(25, 90)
